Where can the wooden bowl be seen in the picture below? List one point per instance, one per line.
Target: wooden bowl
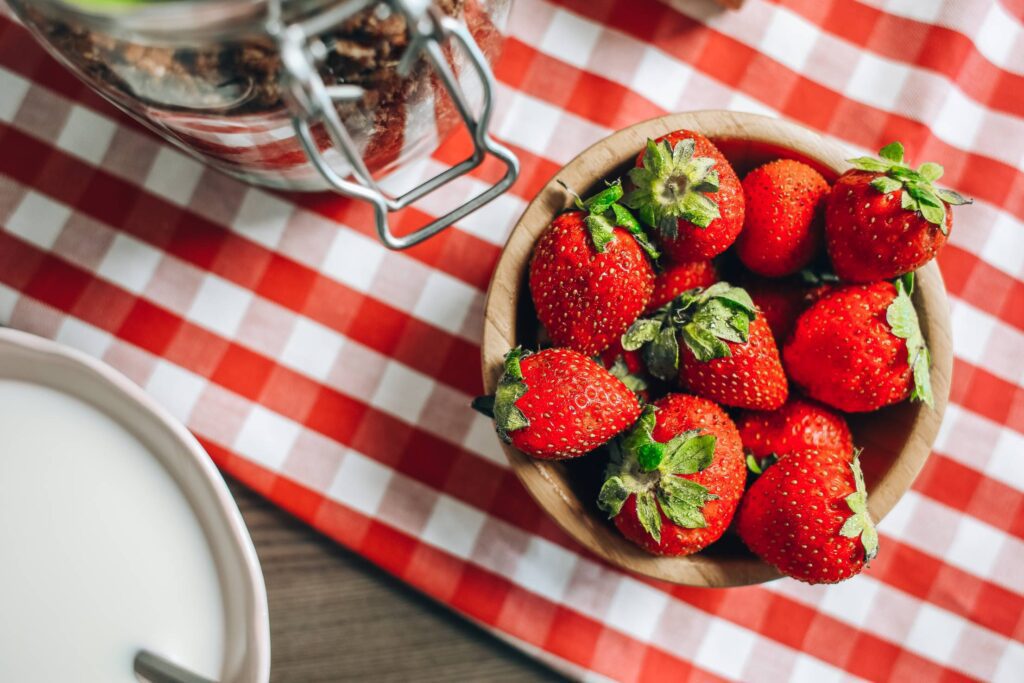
(896, 440)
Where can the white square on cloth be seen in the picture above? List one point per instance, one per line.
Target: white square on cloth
(789, 38)
(266, 437)
(877, 81)
(570, 38)
(38, 219)
(935, 633)
(220, 305)
(86, 135)
(453, 527)
(546, 568)
(636, 608)
(173, 176)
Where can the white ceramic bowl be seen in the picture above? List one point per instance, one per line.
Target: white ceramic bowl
(27, 358)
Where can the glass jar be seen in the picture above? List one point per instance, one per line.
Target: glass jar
(296, 94)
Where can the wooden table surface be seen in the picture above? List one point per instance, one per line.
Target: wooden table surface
(336, 617)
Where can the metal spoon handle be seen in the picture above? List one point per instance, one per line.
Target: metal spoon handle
(156, 669)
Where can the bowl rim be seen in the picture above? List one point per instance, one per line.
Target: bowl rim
(247, 638)
(541, 478)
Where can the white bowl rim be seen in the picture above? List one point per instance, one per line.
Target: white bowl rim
(254, 664)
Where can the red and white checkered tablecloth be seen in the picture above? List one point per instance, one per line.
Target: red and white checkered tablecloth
(333, 376)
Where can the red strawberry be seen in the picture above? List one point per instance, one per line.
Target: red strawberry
(687, 190)
(885, 219)
(796, 426)
(676, 478)
(782, 301)
(679, 277)
(558, 403)
(782, 228)
(860, 348)
(590, 278)
(807, 515)
(728, 353)
(751, 376)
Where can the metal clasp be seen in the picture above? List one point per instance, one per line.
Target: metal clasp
(312, 101)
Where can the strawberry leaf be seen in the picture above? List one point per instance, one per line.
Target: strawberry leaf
(702, 319)
(627, 220)
(662, 355)
(892, 152)
(930, 171)
(511, 388)
(902, 318)
(703, 343)
(758, 466)
(647, 512)
(721, 321)
(605, 213)
(683, 151)
(658, 158)
(603, 200)
(934, 214)
(689, 452)
(641, 332)
(650, 470)
(602, 231)
(859, 523)
(951, 197)
(640, 442)
(683, 501)
(613, 495)
(885, 184)
(870, 164)
(922, 378)
(733, 296)
(907, 279)
(908, 202)
(919, 192)
(673, 185)
(698, 209)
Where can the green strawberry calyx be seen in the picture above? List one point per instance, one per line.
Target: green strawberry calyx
(635, 382)
(919, 192)
(703, 318)
(903, 321)
(502, 404)
(605, 213)
(859, 523)
(672, 184)
(649, 469)
(757, 466)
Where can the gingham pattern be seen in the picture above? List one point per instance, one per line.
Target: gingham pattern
(333, 376)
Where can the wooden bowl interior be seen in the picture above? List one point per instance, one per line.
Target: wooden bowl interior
(896, 440)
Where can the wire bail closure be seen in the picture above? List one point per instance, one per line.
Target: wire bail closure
(311, 101)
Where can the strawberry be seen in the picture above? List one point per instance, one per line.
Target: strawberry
(884, 219)
(589, 276)
(728, 352)
(782, 301)
(675, 479)
(558, 404)
(860, 348)
(688, 192)
(676, 278)
(782, 228)
(807, 516)
(796, 426)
